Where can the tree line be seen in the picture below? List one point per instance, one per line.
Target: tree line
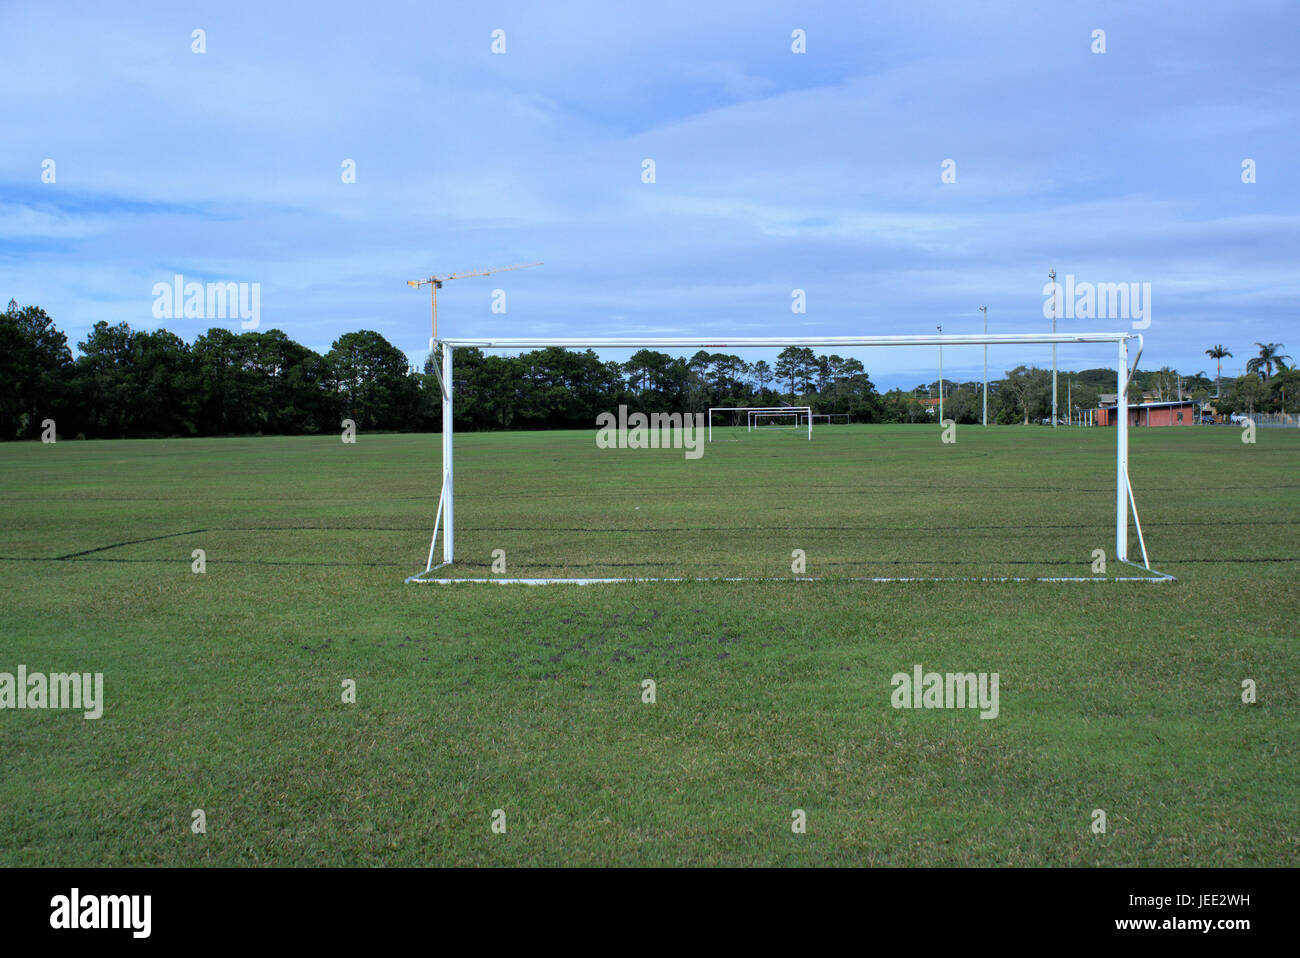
(133, 383)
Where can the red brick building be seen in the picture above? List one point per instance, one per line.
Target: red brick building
(1178, 412)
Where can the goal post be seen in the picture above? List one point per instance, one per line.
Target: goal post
(445, 517)
(765, 418)
(800, 415)
(751, 410)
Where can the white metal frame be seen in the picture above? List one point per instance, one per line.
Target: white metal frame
(445, 518)
(828, 415)
(797, 416)
(754, 409)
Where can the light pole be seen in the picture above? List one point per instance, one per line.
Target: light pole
(985, 311)
(940, 328)
(1052, 275)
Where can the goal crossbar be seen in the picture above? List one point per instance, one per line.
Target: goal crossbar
(687, 342)
(445, 517)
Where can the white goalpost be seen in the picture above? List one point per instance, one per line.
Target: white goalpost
(757, 419)
(445, 518)
(831, 416)
(798, 415)
(751, 411)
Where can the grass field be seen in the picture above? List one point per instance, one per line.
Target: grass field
(223, 689)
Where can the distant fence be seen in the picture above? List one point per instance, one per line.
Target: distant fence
(1276, 419)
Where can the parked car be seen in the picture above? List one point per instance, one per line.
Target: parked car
(1207, 420)
(1237, 418)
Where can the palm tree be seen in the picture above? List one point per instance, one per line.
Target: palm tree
(1219, 353)
(1270, 354)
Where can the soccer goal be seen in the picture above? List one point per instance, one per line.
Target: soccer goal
(831, 417)
(801, 414)
(780, 419)
(445, 516)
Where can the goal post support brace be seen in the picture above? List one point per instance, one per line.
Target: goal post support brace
(445, 518)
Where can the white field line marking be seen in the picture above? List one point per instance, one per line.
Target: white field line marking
(1160, 577)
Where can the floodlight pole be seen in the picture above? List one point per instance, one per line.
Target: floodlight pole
(985, 310)
(1052, 275)
(1121, 456)
(940, 328)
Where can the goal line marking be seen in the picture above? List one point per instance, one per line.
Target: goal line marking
(1157, 578)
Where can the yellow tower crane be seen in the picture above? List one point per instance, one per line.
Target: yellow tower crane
(435, 284)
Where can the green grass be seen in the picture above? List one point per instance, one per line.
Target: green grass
(223, 689)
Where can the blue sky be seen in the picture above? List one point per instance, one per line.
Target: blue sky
(775, 171)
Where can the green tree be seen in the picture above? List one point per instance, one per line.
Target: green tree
(902, 406)
(35, 371)
(166, 385)
(136, 383)
(231, 397)
(806, 366)
(297, 396)
(372, 379)
(1025, 393)
(855, 395)
(102, 380)
(1248, 394)
(787, 367)
(1284, 388)
(962, 406)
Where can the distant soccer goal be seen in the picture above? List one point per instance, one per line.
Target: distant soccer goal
(831, 417)
(802, 415)
(784, 419)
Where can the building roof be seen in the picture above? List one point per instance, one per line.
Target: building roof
(1152, 405)
(1110, 399)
